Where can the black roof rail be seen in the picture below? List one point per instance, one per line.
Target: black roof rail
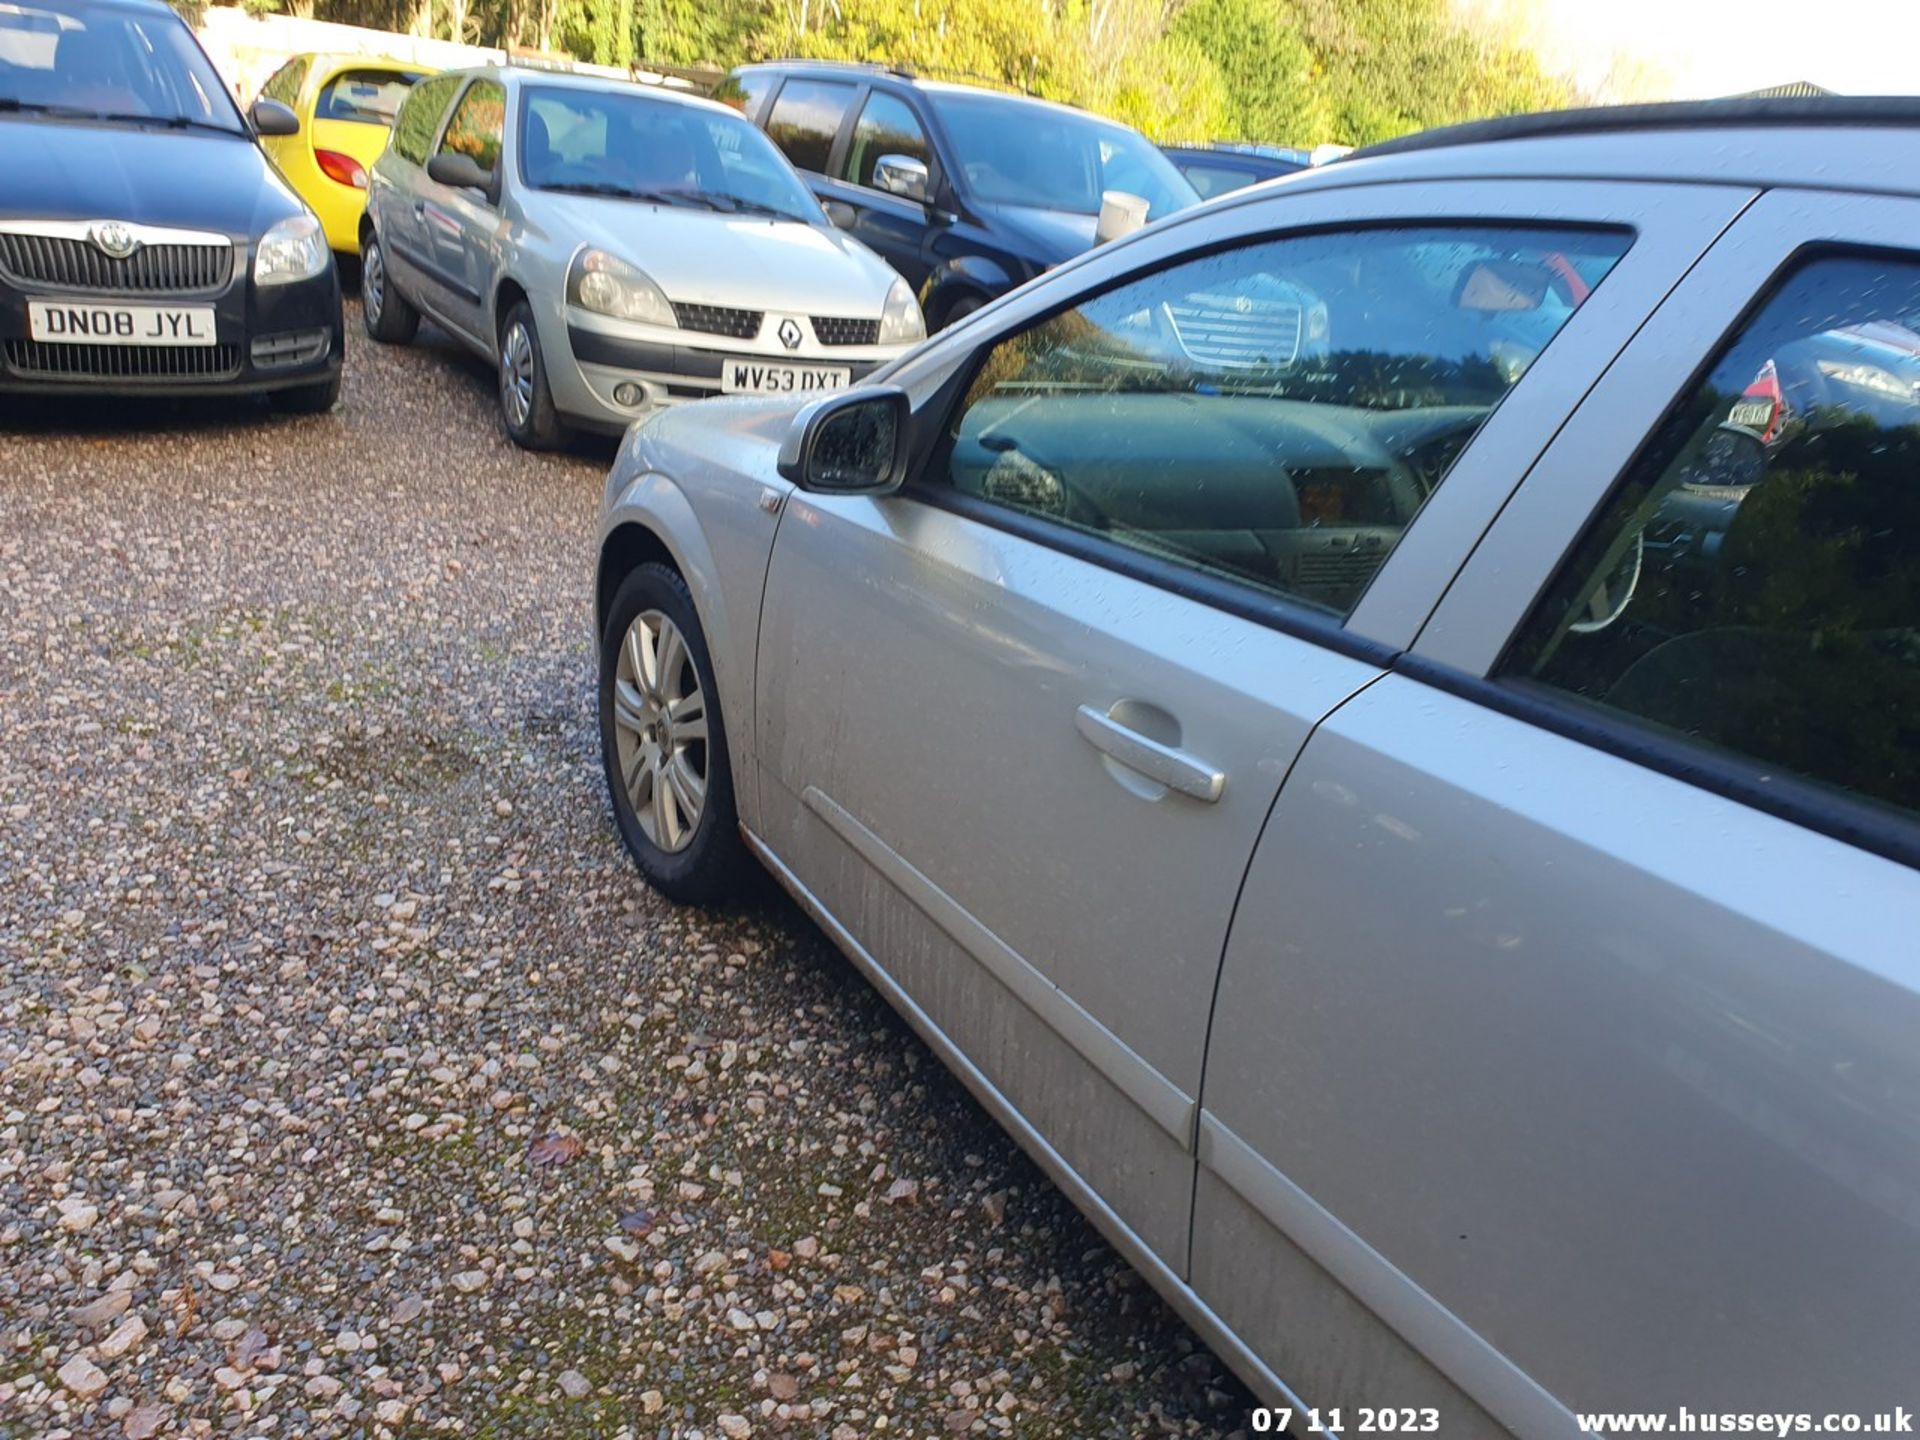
(1820, 110)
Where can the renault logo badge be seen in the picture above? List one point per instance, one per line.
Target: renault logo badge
(789, 333)
(113, 238)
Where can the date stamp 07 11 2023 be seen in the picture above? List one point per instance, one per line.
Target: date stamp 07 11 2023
(1362, 1420)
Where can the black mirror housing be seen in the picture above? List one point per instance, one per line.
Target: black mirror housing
(270, 117)
(851, 443)
(462, 172)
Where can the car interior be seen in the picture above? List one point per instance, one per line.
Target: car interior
(1308, 401)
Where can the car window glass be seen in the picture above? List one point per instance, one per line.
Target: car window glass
(365, 97)
(1013, 151)
(119, 63)
(887, 126)
(806, 116)
(284, 84)
(1212, 180)
(1274, 414)
(745, 92)
(419, 117)
(657, 150)
(478, 122)
(1754, 583)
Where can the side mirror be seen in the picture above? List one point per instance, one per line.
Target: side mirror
(462, 172)
(901, 175)
(840, 213)
(852, 443)
(270, 117)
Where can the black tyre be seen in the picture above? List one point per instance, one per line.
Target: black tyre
(526, 403)
(663, 743)
(384, 311)
(309, 399)
(962, 308)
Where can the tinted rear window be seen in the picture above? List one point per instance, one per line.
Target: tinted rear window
(806, 116)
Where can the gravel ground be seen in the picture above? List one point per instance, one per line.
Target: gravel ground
(350, 1081)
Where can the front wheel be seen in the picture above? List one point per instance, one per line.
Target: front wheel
(663, 745)
(526, 402)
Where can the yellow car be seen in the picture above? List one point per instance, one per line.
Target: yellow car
(346, 105)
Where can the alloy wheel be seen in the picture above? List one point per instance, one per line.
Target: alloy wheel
(516, 375)
(660, 731)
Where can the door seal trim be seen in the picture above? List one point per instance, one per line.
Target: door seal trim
(1443, 1339)
(1157, 1097)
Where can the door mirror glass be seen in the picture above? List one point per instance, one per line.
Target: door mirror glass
(901, 175)
(462, 172)
(270, 117)
(853, 443)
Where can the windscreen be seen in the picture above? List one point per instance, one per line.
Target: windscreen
(636, 146)
(1016, 152)
(92, 61)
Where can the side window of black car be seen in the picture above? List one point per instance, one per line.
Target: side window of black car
(1753, 585)
(419, 117)
(887, 126)
(806, 117)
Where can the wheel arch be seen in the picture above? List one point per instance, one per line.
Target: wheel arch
(654, 521)
(508, 293)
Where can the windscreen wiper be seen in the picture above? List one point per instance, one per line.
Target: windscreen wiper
(621, 192)
(169, 122)
(13, 104)
(756, 207)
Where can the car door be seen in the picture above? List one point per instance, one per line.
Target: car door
(896, 227)
(1565, 1056)
(463, 226)
(397, 185)
(1019, 726)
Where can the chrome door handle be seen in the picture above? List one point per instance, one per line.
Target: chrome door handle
(1162, 764)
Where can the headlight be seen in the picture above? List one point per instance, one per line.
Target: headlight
(901, 320)
(605, 285)
(294, 249)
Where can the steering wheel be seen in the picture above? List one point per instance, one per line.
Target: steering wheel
(1608, 599)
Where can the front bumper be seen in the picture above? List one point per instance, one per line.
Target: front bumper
(266, 338)
(670, 371)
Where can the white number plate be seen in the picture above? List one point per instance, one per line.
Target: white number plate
(80, 322)
(756, 377)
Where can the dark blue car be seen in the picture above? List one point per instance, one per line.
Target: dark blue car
(965, 191)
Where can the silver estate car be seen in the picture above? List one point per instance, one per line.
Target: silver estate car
(614, 249)
(1376, 725)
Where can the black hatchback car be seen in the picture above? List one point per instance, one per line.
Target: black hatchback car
(146, 244)
(965, 191)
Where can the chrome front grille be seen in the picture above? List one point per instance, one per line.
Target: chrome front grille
(42, 361)
(1237, 332)
(838, 330)
(718, 320)
(71, 264)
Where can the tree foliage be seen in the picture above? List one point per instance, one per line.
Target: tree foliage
(1288, 71)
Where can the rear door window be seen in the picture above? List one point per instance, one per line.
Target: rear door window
(1753, 585)
(806, 117)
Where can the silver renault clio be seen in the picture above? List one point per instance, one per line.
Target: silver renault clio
(614, 249)
(1376, 725)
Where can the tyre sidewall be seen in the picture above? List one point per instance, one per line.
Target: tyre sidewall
(397, 322)
(710, 867)
(542, 430)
